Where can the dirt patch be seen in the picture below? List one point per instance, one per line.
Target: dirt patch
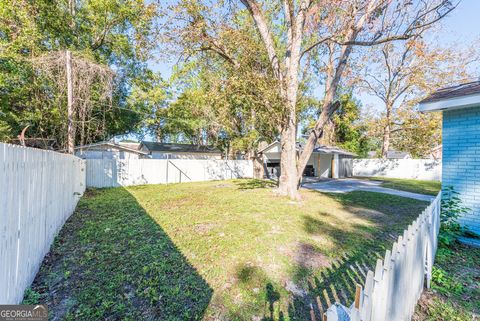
(61, 309)
(91, 192)
(310, 257)
(223, 185)
(425, 301)
(204, 228)
(365, 213)
(84, 211)
(306, 256)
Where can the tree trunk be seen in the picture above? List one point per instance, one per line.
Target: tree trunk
(329, 103)
(288, 86)
(288, 181)
(315, 134)
(386, 141)
(386, 132)
(257, 166)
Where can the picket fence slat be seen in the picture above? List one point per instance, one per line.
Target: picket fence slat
(38, 192)
(393, 290)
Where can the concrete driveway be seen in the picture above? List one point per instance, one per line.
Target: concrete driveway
(346, 185)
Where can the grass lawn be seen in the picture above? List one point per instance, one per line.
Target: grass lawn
(455, 292)
(409, 185)
(221, 250)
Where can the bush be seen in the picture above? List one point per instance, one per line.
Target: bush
(445, 283)
(452, 208)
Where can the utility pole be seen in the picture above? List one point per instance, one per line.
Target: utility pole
(70, 108)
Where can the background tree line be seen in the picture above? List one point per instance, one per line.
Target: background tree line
(245, 72)
(109, 45)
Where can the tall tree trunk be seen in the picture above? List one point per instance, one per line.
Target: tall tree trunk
(334, 76)
(257, 160)
(386, 141)
(328, 108)
(387, 131)
(315, 134)
(289, 178)
(288, 181)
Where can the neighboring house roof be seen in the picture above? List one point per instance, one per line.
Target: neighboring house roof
(460, 96)
(321, 149)
(111, 145)
(332, 150)
(395, 154)
(130, 145)
(269, 146)
(179, 148)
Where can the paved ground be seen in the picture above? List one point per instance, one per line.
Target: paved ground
(351, 184)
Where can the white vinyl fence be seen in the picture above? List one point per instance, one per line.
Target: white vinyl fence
(392, 291)
(427, 169)
(111, 173)
(38, 192)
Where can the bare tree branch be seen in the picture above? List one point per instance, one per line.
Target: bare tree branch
(262, 26)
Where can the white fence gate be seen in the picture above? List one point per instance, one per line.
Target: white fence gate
(38, 192)
(427, 169)
(111, 173)
(392, 291)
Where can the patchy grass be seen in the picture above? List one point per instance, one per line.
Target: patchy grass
(455, 292)
(229, 250)
(410, 185)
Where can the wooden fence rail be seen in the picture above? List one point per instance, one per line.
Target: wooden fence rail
(391, 291)
(38, 192)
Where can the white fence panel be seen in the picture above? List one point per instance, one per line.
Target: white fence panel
(38, 192)
(426, 169)
(111, 173)
(393, 290)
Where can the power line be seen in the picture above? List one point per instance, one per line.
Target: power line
(106, 105)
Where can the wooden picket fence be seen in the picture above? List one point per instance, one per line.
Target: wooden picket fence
(39, 190)
(114, 173)
(391, 292)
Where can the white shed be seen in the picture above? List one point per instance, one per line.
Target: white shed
(325, 162)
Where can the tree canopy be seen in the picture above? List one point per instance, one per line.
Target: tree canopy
(244, 72)
(106, 33)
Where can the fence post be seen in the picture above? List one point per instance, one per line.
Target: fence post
(166, 167)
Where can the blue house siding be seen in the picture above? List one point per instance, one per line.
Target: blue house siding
(461, 160)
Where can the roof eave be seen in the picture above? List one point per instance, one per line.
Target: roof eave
(154, 148)
(452, 103)
(111, 145)
(268, 146)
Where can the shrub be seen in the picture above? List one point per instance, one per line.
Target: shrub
(452, 208)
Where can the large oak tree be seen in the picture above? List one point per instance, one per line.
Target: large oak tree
(291, 31)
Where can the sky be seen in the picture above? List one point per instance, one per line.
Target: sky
(461, 26)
